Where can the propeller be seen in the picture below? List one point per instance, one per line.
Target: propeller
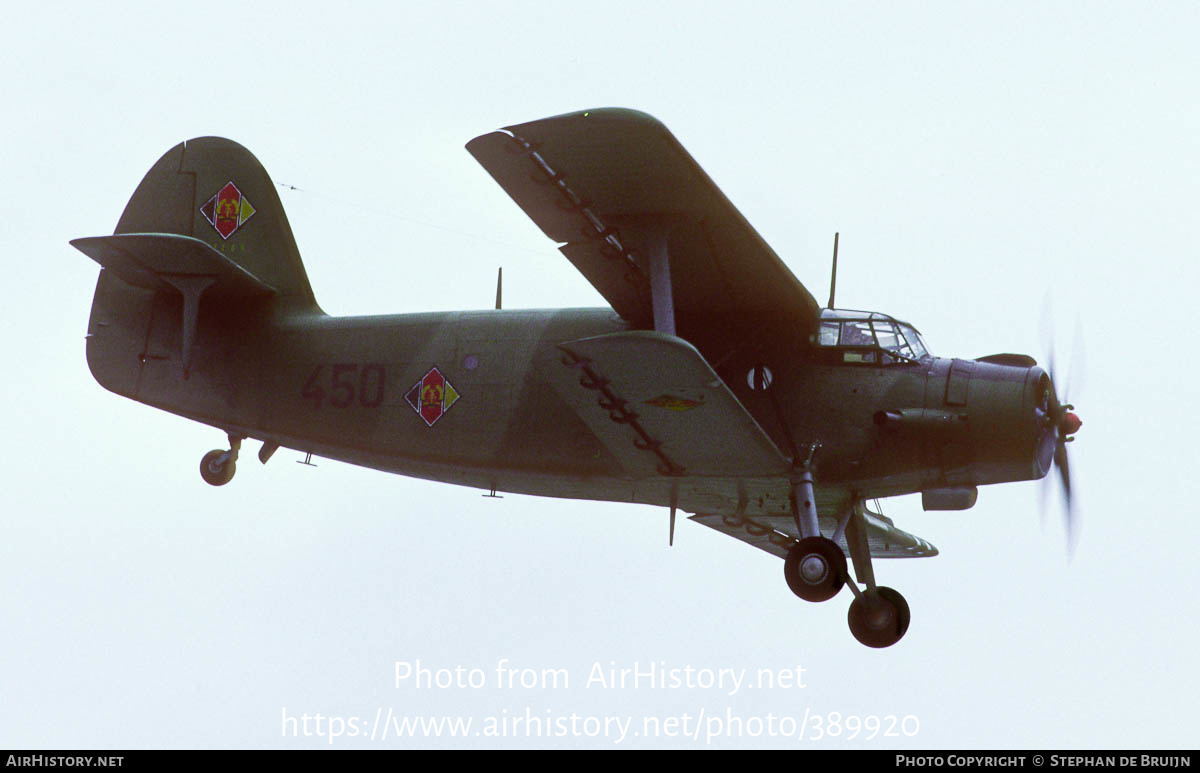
(1060, 423)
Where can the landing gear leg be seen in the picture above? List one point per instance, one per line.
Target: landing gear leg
(815, 567)
(878, 615)
(217, 467)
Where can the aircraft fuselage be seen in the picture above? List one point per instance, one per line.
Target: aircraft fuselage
(463, 397)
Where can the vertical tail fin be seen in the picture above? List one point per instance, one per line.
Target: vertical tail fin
(202, 247)
(213, 189)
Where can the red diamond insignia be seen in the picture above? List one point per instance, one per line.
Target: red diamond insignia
(432, 396)
(227, 210)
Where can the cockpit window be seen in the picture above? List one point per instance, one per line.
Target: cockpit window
(870, 330)
(914, 340)
(885, 333)
(891, 340)
(857, 334)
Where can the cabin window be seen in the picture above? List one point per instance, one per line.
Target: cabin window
(829, 333)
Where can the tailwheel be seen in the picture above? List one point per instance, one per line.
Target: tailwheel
(878, 617)
(815, 568)
(217, 467)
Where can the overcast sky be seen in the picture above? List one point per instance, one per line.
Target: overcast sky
(976, 159)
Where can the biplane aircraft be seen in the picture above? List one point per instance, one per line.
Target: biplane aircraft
(715, 384)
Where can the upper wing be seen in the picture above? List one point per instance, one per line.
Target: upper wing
(605, 182)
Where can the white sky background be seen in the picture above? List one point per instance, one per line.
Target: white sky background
(973, 157)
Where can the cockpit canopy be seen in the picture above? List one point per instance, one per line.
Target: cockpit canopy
(870, 337)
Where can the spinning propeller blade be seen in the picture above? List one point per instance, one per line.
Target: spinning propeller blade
(1061, 424)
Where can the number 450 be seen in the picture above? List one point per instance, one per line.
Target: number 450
(342, 382)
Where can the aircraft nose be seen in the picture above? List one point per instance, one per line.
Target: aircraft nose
(1056, 422)
(1039, 393)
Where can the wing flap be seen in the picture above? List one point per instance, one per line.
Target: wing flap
(658, 406)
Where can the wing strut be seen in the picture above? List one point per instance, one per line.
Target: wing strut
(660, 283)
(859, 548)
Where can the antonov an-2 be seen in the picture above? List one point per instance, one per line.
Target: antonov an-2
(715, 384)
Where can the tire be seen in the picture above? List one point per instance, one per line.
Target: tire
(808, 587)
(214, 474)
(880, 618)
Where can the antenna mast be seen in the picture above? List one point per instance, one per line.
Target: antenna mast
(833, 279)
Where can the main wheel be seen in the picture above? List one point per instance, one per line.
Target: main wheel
(815, 568)
(213, 471)
(879, 618)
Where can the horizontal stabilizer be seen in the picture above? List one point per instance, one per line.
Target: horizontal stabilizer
(659, 407)
(170, 262)
(158, 261)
